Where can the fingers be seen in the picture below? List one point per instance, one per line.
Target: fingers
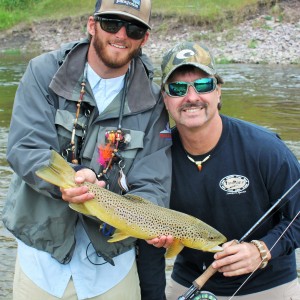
(76, 194)
(81, 194)
(163, 241)
(237, 259)
(230, 243)
(85, 175)
(230, 248)
(101, 183)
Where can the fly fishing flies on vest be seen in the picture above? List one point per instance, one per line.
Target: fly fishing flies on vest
(115, 141)
(109, 154)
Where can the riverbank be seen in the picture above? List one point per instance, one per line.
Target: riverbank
(270, 37)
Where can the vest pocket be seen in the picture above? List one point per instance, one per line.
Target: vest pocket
(64, 122)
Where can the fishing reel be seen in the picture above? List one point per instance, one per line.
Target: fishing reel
(199, 295)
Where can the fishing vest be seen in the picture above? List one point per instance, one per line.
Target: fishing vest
(90, 133)
(50, 226)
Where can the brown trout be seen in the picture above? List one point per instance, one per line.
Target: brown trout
(133, 216)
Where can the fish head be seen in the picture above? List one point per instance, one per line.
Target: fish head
(205, 238)
(209, 243)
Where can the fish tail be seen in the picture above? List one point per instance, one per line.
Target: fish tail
(58, 172)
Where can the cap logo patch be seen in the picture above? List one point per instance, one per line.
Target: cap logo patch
(183, 54)
(135, 4)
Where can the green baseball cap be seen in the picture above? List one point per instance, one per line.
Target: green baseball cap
(187, 53)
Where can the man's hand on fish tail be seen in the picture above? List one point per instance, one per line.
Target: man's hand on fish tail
(162, 241)
(238, 259)
(81, 194)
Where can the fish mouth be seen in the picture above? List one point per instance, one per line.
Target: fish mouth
(216, 249)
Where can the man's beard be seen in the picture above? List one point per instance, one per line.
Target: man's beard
(111, 62)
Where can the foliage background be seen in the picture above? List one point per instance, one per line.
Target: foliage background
(193, 12)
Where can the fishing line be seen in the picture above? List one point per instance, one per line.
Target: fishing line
(199, 282)
(274, 207)
(246, 280)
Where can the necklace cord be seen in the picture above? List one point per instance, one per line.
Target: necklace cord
(124, 93)
(198, 163)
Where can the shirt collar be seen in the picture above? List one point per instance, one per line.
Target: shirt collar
(94, 79)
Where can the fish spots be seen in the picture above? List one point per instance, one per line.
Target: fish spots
(135, 216)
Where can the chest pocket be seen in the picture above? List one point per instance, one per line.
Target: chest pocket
(64, 121)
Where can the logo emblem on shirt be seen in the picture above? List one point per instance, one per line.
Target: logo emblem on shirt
(234, 184)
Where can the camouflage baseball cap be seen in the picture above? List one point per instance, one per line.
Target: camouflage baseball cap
(139, 10)
(187, 53)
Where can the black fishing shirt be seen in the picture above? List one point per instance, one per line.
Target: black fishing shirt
(247, 172)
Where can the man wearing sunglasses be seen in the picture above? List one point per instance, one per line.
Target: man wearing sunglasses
(228, 173)
(94, 102)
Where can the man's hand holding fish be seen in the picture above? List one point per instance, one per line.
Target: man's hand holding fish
(80, 194)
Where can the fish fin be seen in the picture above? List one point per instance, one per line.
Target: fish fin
(174, 249)
(58, 172)
(136, 198)
(79, 207)
(118, 236)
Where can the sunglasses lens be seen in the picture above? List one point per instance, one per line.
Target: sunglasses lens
(204, 85)
(135, 32)
(114, 25)
(110, 25)
(180, 88)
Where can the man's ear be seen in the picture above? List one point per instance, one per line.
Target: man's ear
(91, 24)
(164, 97)
(219, 94)
(145, 39)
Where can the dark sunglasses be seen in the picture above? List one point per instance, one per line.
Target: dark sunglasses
(133, 31)
(201, 86)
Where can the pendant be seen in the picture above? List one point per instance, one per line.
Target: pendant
(199, 167)
(198, 163)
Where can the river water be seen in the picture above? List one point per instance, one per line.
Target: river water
(267, 95)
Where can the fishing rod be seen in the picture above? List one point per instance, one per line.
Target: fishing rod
(194, 292)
